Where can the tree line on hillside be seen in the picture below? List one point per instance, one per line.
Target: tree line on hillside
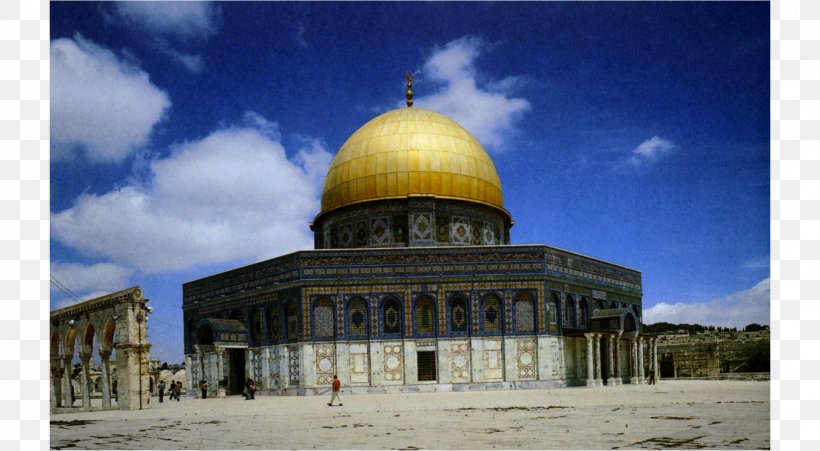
(663, 327)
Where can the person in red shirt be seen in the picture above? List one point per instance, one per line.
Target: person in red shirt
(336, 387)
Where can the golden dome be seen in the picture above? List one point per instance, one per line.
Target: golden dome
(411, 152)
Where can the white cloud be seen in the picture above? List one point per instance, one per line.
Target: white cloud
(489, 113)
(300, 36)
(233, 195)
(100, 103)
(87, 281)
(191, 62)
(650, 150)
(180, 19)
(734, 310)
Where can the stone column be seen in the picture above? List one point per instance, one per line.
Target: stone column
(56, 382)
(655, 359)
(641, 378)
(633, 341)
(67, 370)
(610, 378)
(598, 380)
(618, 373)
(220, 365)
(106, 378)
(590, 364)
(85, 380)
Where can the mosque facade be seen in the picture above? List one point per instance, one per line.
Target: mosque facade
(413, 285)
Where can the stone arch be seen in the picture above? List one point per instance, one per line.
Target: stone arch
(89, 330)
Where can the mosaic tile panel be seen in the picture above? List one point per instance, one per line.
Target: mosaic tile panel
(525, 358)
(392, 316)
(340, 316)
(477, 233)
(361, 234)
(256, 366)
(476, 312)
(374, 316)
(460, 232)
(292, 319)
(399, 229)
(422, 226)
(293, 365)
(489, 234)
(380, 231)
(393, 363)
(325, 363)
(346, 235)
(442, 229)
(508, 311)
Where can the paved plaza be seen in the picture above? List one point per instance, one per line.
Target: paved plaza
(672, 414)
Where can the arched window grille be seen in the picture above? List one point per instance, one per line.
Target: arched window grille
(323, 318)
(425, 315)
(292, 320)
(357, 317)
(391, 316)
(583, 314)
(568, 308)
(552, 310)
(524, 313)
(459, 319)
(491, 313)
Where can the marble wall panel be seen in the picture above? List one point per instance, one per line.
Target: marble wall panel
(493, 359)
(358, 363)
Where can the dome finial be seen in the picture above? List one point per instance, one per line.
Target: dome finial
(409, 76)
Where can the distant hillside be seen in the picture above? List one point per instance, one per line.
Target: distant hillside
(663, 327)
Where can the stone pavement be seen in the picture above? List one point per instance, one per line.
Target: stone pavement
(672, 414)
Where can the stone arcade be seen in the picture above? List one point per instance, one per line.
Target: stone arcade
(414, 286)
(111, 324)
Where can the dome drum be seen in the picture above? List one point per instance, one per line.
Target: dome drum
(411, 222)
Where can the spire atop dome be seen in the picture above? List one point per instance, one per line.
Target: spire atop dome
(409, 76)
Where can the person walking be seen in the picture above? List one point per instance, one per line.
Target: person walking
(203, 387)
(651, 377)
(161, 388)
(335, 387)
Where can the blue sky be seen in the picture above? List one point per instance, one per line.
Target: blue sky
(190, 138)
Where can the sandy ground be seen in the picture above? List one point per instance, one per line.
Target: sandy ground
(672, 414)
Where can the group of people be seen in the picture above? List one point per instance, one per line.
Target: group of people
(173, 391)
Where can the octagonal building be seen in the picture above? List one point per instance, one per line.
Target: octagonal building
(413, 286)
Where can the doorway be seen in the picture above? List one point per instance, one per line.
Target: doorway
(236, 371)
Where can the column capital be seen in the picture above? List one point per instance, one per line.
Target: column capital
(589, 335)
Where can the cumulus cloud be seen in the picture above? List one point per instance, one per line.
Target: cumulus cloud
(180, 19)
(86, 281)
(233, 195)
(735, 310)
(651, 150)
(490, 112)
(100, 104)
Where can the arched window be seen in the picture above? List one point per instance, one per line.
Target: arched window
(275, 323)
(391, 316)
(256, 331)
(524, 313)
(568, 309)
(613, 304)
(357, 318)
(600, 305)
(459, 318)
(425, 315)
(206, 335)
(583, 314)
(323, 318)
(292, 320)
(552, 310)
(491, 313)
